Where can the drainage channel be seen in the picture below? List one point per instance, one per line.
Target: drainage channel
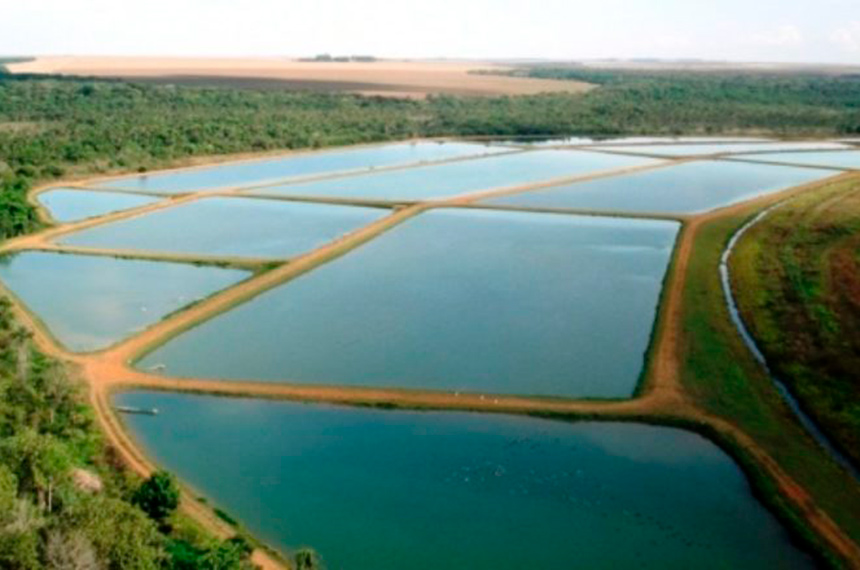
(807, 422)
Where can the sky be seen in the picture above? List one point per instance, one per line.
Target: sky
(809, 31)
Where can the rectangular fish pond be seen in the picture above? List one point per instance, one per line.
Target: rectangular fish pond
(91, 302)
(298, 165)
(455, 300)
(728, 147)
(453, 179)
(834, 159)
(67, 205)
(387, 490)
(230, 227)
(687, 188)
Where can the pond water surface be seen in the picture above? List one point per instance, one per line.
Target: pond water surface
(231, 227)
(459, 300)
(702, 149)
(381, 490)
(836, 159)
(687, 188)
(452, 179)
(90, 302)
(68, 205)
(297, 165)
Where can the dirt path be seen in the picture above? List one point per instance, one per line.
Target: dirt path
(662, 395)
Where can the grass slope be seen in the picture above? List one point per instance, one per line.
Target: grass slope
(723, 379)
(797, 284)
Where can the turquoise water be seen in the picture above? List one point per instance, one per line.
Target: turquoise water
(839, 159)
(452, 179)
(469, 300)
(231, 227)
(687, 188)
(306, 164)
(381, 490)
(67, 205)
(91, 302)
(698, 149)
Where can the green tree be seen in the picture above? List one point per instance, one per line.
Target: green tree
(307, 559)
(123, 537)
(158, 496)
(40, 461)
(8, 494)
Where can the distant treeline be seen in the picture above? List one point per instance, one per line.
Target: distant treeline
(5, 60)
(52, 126)
(325, 57)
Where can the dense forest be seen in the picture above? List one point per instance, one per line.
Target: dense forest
(51, 127)
(64, 501)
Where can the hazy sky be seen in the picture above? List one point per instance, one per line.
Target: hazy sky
(750, 30)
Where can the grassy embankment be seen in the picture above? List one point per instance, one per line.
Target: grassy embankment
(65, 500)
(797, 284)
(723, 379)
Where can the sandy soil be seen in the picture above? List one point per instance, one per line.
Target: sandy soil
(415, 79)
(663, 395)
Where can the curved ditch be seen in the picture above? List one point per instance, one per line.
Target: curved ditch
(805, 420)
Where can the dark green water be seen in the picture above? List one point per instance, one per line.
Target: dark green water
(306, 164)
(687, 188)
(90, 302)
(67, 205)
(459, 300)
(381, 490)
(231, 227)
(452, 179)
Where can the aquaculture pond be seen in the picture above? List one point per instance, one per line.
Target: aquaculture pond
(458, 300)
(833, 159)
(298, 165)
(452, 179)
(90, 302)
(231, 227)
(682, 189)
(704, 149)
(68, 205)
(675, 140)
(379, 490)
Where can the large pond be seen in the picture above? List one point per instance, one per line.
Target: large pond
(231, 227)
(458, 300)
(68, 205)
(91, 302)
(297, 165)
(456, 178)
(381, 490)
(833, 159)
(709, 148)
(686, 188)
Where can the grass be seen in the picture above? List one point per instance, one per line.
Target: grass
(723, 379)
(797, 282)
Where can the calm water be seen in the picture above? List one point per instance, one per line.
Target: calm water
(308, 164)
(465, 300)
(671, 140)
(839, 159)
(686, 188)
(382, 490)
(697, 149)
(91, 302)
(451, 179)
(67, 205)
(231, 226)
